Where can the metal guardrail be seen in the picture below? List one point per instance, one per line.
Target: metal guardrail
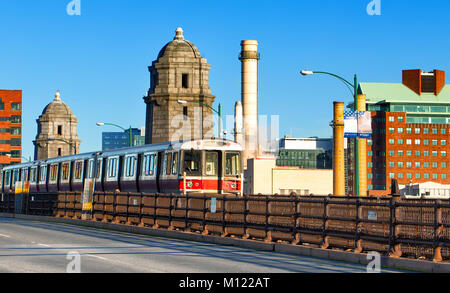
(392, 226)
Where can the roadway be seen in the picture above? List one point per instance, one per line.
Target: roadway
(41, 247)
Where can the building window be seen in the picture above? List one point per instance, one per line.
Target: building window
(15, 130)
(409, 153)
(435, 176)
(426, 176)
(391, 141)
(409, 141)
(443, 130)
(426, 165)
(16, 119)
(59, 152)
(408, 175)
(443, 165)
(391, 130)
(443, 176)
(417, 164)
(391, 164)
(185, 113)
(15, 142)
(59, 129)
(391, 153)
(408, 164)
(400, 164)
(417, 175)
(426, 153)
(400, 130)
(443, 153)
(425, 142)
(370, 164)
(391, 118)
(369, 142)
(417, 141)
(417, 130)
(16, 106)
(400, 175)
(391, 175)
(400, 153)
(400, 141)
(369, 153)
(417, 153)
(408, 130)
(425, 131)
(434, 142)
(443, 142)
(434, 131)
(434, 153)
(369, 175)
(400, 118)
(184, 80)
(435, 165)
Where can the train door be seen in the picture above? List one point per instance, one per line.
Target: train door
(159, 170)
(212, 181)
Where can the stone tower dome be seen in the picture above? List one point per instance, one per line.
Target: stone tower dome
(57, 131)
(179, 94)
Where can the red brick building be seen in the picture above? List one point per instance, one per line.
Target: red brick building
(411, 132)
(10, 127)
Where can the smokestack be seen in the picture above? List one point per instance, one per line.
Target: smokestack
(249, 58)
(238, 136)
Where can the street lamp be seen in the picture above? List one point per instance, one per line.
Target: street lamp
(125, 130)
(218, 111)
(353, 87)
(68, 142)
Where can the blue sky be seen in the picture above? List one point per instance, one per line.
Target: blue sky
(99, 59)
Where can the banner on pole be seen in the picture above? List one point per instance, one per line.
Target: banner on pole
(357, 124)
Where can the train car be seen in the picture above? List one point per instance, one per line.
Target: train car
(205, 166)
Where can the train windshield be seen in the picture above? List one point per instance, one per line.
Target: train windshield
(232, 163)
(212, 163)
(192, 162)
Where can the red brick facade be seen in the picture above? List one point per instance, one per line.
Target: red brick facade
(10, 126)
(410, 153)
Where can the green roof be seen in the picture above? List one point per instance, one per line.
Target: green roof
(399, 93)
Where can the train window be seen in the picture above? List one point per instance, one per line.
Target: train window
(175, 163)
(15, 176)
(192, 162)
(78, 169)
(232, 164)
(43, 173)
(25, 174)
(65, 171)
(99, 170)
(130, 164)
(53, 172)
(168, 163)
(149, 160)
(91, 168)
(212, 161)
(112, 167)
(7, 178)
(33, 174)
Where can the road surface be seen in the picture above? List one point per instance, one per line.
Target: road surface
(41, 247)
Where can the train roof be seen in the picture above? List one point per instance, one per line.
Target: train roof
(199, 144)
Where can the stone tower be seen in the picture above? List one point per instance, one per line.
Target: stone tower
(57, 131)
(178, 88)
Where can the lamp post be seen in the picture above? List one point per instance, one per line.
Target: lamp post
(354, 89)
(112, 124)
(218, 111)
(68, 142)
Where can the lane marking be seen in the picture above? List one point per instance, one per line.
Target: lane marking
(6, 236)
(96, 256)
(45, 245)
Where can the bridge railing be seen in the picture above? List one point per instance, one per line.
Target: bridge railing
(393, 226)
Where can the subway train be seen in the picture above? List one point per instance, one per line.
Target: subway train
(200, 166)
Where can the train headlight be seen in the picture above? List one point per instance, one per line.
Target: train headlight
(233, 185)
(189, 184)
